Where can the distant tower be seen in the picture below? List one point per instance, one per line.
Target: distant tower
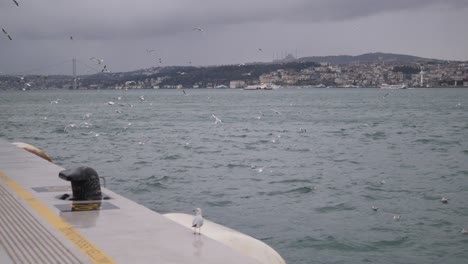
(421, 73)
(74, 73)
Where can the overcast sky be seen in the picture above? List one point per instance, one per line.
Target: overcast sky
(120, 32)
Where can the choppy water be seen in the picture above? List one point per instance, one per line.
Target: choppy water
(302, 180)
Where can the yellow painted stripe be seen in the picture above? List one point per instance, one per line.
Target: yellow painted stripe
(88, 248)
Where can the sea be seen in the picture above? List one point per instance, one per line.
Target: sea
(297, 168)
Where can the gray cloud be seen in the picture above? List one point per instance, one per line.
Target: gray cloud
(110, 19)
(233, 29)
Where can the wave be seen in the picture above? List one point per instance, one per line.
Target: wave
(219, 203)
(330, 242)
(335, 208)
(157, 185)
(297, 149)
(436, 141)
(301, 190)
(141, 162)
(376, 135)
(171, 157)
(154, 177)
(230, 165)
(291, 181)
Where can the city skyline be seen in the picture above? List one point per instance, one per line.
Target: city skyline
(141, 34)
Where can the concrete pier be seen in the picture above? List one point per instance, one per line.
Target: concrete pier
(38, 227)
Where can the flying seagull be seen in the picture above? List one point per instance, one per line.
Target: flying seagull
(16, 2)
(105, 69)
(217, 120)
(259, 49)
(98, 61)
(6, 33)
(197, 221)
(198, 28)
(276, 111)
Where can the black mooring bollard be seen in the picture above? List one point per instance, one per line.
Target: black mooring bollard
(85, 183)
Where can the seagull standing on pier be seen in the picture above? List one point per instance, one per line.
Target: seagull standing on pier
(197, 221)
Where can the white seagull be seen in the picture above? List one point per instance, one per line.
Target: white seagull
(444, 200)
(197, 221)
(198, 28)
(96, 134)
(98, 61)
(260, 169)
(69, 125)
(217, 120)
(276, 111)
(143, 141)
(260, 116)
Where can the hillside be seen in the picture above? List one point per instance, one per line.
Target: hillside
(377, 57)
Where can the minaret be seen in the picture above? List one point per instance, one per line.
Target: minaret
(422, 77)
(74, 73)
